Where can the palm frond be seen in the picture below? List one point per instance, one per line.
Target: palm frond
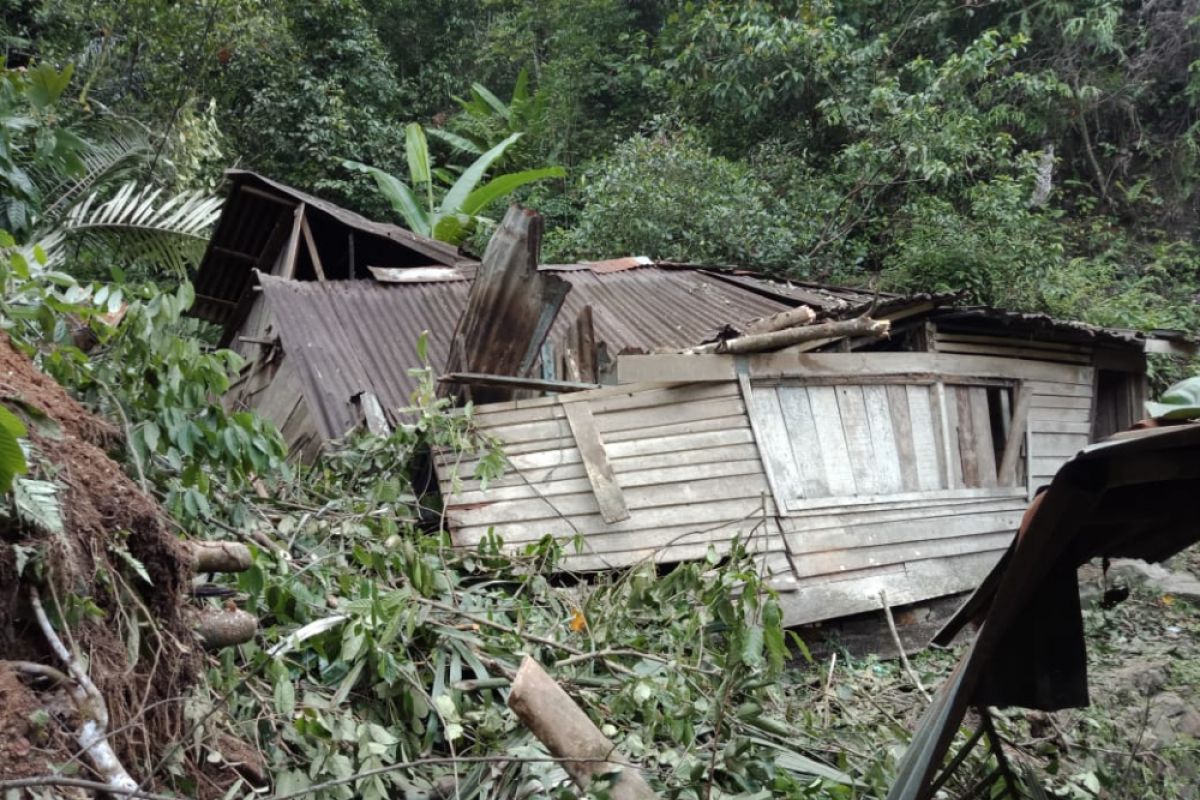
(104, 161)
(137, 226)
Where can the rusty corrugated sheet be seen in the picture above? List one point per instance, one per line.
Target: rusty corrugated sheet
(1132, 496)
(651, 307)
(353, 336)
(361, 335)
(1020, 321)
(247, 222)
(509, 311)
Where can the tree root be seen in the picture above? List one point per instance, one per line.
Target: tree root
(93, 732)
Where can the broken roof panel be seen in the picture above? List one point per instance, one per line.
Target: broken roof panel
(256, 221)
(355, 336)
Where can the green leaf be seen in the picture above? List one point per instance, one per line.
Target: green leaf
(752, 646)
(12, 457)
(37, 504)
(456, 198)
(416, 149)
(1180, 401)
(485, 94)
(402, 198)
(453, 228)
(457, 142)
(504, 185)
(46, 84)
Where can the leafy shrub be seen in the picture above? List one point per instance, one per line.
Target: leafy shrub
(663, 194)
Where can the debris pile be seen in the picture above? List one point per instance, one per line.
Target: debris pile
(98, 652)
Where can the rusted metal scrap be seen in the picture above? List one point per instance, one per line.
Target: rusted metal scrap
(1131, 496)
(509, 311)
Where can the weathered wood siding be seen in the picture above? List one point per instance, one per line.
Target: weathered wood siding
(685, 461)
(849, 473)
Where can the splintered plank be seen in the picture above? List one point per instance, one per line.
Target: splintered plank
(806, 446)
(897, 398)
(925, 427)
(968, 449)
(1006, 474)
(595, 461)
(773, 442)
(981, 422)
(856, 592)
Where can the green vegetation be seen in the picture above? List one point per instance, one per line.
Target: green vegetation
(1043, 156)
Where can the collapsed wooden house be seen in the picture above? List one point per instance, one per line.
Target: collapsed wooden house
(850, 465)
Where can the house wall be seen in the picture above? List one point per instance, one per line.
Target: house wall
(694, 466)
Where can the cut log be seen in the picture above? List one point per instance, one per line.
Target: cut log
(554, 718)
(220, 556)
(222, 627)
(801, 315)
(775, 340)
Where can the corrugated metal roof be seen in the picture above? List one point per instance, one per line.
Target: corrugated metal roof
(257, 209)
(1040, 323)
(355, 336)
(348, 337)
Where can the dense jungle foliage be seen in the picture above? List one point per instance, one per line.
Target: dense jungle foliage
(1039, 155)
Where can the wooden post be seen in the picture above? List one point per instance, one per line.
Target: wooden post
(554, 718)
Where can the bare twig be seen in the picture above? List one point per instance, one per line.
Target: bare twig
(79, 783)
(912, 673)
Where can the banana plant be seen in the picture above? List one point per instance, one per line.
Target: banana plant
(459, 211)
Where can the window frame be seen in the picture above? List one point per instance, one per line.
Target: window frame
(790, 502)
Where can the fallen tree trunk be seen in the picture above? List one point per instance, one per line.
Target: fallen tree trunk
(219, 556)
(764, 342)
(554, 718)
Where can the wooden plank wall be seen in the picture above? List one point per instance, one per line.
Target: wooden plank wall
(692, 473)
(1060, 415)
(684, 458)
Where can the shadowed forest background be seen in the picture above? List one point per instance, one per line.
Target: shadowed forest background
(863, 142)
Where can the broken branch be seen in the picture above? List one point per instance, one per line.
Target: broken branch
(557, 722)
(219, 627)
(793, 317)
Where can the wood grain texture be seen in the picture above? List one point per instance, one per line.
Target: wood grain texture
(595, 461)
(807, 453)
(906, 451)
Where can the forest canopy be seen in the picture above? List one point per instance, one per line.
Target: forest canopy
(1041, 156)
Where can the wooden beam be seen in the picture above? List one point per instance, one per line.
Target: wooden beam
(238, 254)
(312, 248)
(286, 266)
(254, 191)
(595, 461)
(1007, 473)
(1170, 347)
(674, 368)
(509, 381)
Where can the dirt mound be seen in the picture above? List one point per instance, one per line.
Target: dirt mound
(140, 652)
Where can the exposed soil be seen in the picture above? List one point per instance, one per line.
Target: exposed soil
(104, 513)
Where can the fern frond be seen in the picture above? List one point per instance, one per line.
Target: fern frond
(137, 226)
